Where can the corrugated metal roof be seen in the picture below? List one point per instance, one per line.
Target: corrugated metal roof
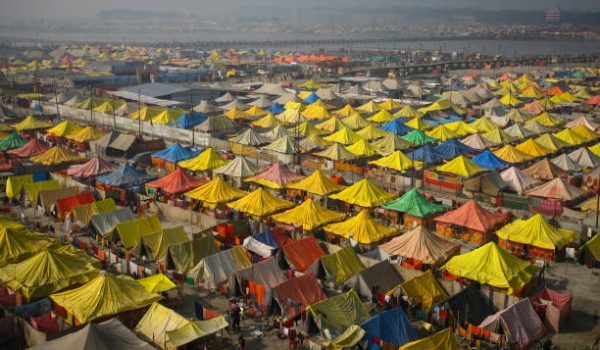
(155, 89)
(134, 96)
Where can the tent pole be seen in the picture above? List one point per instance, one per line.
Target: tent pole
(598, 202)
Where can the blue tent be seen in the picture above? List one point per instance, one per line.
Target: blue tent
(471, 119)
(426, 154)
(489, 160)
(396, 126)
(125, 177)
(392, 326)
(313, 97)
(266, 238)
(175, 153)
(189, 120)
(431, 122)
(276, 108)
(453, 148)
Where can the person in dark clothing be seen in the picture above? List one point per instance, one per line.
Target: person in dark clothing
(235, 318)
(242, 342)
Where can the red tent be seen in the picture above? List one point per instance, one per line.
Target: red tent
(176, 182)
(32, 148)
(594, 100)
(472, 216)
(303, 252)
(304, 291)
(555, 91)
(93, 167)
(65, 205)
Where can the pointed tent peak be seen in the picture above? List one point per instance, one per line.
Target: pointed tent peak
(207, 160)
(249, 138)
(255, 111)
(284, 144)
(268, 121)
(397, 161)
(276, 176)
(95, 166)
(532, 148)
(362, 228)
(383, 116)
(442, 132)
(489, 160)
(362, 148)
(356, 121)
(415, 204)
(512, 155)
(276, 133)
(305, 129)
(498, 136)
(483, 125)
(369, 107)
(538, 128)
(408, 112)
(390, 143)
(556, 189)
(390, 104)
(215, 192)
(239, 167)
(586, 132)
(546, 119)
(517, 180)
(476, 141)
(417, 123)
(316, 183)
(551, 142)
(420, 244)
(371, 132)
(545, 170)
(584, 158)
(473, 216)
(56, 155)
(313, 141)
(344, 136)
(364, 193)
(236, 113)
(536, 231)
(177, 181)
(30, 149)
(418, 137)
(336, 152)
(518, 131)
(86, 134)
(331, 125)
(570, 136)
(260, 203)
(346, 111)
(309, 215)
(64, 129)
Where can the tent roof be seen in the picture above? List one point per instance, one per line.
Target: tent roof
(453, 148)
(413, 203)
(494, 266)
(316, 183)
(175, 153)
(363, 193)
(86, 134)
(556, 189)
(268, 121)
(362, 148)
(56, 155)
(339, 312)
(462, 166)
(551, 142)
(424, 290)
(518, 180)
(570, 136)
(363, 228)
(309, 215)
(260, 203)
(31, 123)
(239, 167)
(585, 158)
(12, 141)
(545, 170)
(190, 119)
(426, 154)
(125, 176)
(276, 176)
(216, 192)
(498, 136)
(422, 245)
(176, 182)
(418, 137)
(345, 136)
(285, 144)
(538, 232)
(305, 290)
(396, 126)
(302, 253)
(397, 161)
(32, 148)
(92, 167)
(489, 160)
(532, 148)
(336, 152)
(207, 160)
(518, 131)
(249, 138)
(472, 216)
(392, 326)
(95, 299)
(510, 154)
(389, 143)
(356, 121)
(442, 340)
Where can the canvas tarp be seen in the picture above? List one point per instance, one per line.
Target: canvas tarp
(339, 312)
(258, 247)
(111, 334)
(263, 277)
(492, 265)
(16, 184)
(557, 189)
(364, 193)
(554, 308)
(382, 274)
(461, 166)
(309, 215)
(240, 167)
(472, 216)
(31, 123)
(157, 283)
(362, 228)
(412, 202)
(176, 182)
(397, 161)
(302, 253)
(391, 326)
(422, 245)
(125, 176)
(336, 152)
(424, 291)
(538, 232)
(33, 189)
(316, 183)
(104, 223)
(93, 167)
(215, 192)
(84, 213)
(66, 204)
(186, 255)
(216, 269)
(207, 160)
(32, 148)
(95, 299)
(131, 232)
(545, 170)
(520, 322)
(157, 243)
(442, 340)
(276, 176)
(49, 197)
(193, 221)
(302, 291)
(196, 330)
(517, 180)
(342, 264)
(55, 156)
(259, 203)
(175, 153)
(19, 244)
(350, 337)
(157, 322)
(468, 305)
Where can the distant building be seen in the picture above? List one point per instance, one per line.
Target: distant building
(553, 15)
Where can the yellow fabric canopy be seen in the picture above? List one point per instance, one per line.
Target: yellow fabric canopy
(460, 128)
(551, 142)
(389, 104)
(331, 125)
(314, 112)
(131, 232)
(336, 152)
(356, 121)
(345, 136)
(571, 137)
(236, 113)
(462, 166)
(532, 148)
(498, 137)
(417, 123)
(586, 133)
(16, 183)
(85, 212)
(383, 116)
(362, 148)
(256, 111)
(483, 125)
(316, 183)
(442, 133)
(89, 133)
(18, 243)
(538, 232)
(545, 119)
(408, 112)
(363, 228)
(511, 155)
(33, 189)
(441, 105)
(442, 340)
(397, 161)
(494, 266)
(147, 113)
(215, 192)
(30, 123)
(207, 160)
(306, 128)
(510, 100)
(158, 243)
(260, 203)
(96, 299)
(65, 129)
(369, 107)
(424, 290)
(268, 121)
(157, 322)
(372, 132)
(56, 155)
(309, 215)
(346, 111)
(157, 283)
(364, 193)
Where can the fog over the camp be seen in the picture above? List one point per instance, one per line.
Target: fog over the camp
(79, 9)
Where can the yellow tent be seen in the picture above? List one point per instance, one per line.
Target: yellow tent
(494, 266)
(109, 107)
(424, 290)
(158, 243)
(306, 129)
(442, 340)
(32, 190)
(65, 129)
(18, 243)
(268, 121)
(510, 100)
(157, 323)
(91, 103)
(147, 113)
(545, 119)
(168, 116)
(460, 128)
(346, 111)
(462, 166)
(586, 133)
(304, 94)
(362, 148)
(483, 125)
(441, 105)
(260, 203)
(364, 193)
(316, 183)
(389, 104)
(593, 245)
(89, 133)
(313, 112)
(312, 84)
(236, 113)
(215, 192)
(345, 136)
(294, 106)
(538, 232)
(255, 111)
(157, 283)
(49, 271)
(565, 97)
(56, 155)
(363, 228)
(289, 116)
(330, 125)
(383, 116)
(132, 232)
(350, 337)
(417, 123)
(336, 152)
(442, 133)
(551, 142)
(16, 183)
(207, 160)
(320, 103)
(571, 137)
(30, 123)
(531, 92)
(96, 299)
(372, 132)
(595, 149)
(356, 121)
(511, 155)
(309, 215)
(408, 112)
(532, 148)
(547, 104)
(498, 136)
(397, 161)
(85, 212)
(369, 107)
(312, 141)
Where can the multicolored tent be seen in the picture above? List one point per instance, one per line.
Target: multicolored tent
(207, 160)
(415, 204)
(276, 176)
(316, 183)
(216, 192)
(55, 156)
(363, 193)
(362, 228)
(308, 215)
(421, 245)
(260, 203)
(176, 182)
(494, 266)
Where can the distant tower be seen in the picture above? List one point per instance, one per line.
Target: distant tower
(553, 15)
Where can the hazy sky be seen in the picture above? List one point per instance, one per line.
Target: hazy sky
(89, 8)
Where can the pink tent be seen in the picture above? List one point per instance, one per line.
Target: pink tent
(276, 176)
(553, 307)
(176, 182)
(93, 167)
(32, 148)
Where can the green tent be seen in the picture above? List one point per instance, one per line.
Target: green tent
(413, 203)
(418, 137)
(12, 141)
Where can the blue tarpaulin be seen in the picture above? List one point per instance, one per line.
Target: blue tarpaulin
(189, 120)
(276, 108)
(266, 238)
(396, 126)
(175, 153)
(392, 326)
(489, 160)
(313, 97)
(453, 148)
(426, 154)
(125, 177)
